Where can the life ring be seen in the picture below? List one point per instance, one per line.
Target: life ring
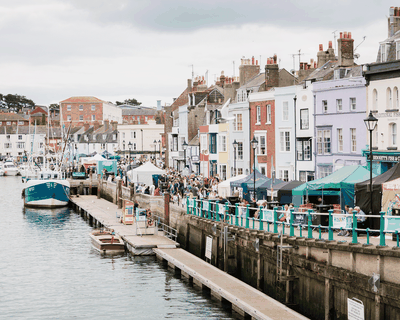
(150, 222)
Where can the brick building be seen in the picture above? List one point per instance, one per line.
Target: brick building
(88, 110)
(12, 119)
(138, 114)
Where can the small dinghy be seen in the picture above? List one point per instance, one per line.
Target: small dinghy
(105, 241)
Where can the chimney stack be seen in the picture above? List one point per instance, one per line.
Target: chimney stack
(271, 73)
(106, 125)
(393, 21)
(346, 50)
(247, 70)
(86, 126)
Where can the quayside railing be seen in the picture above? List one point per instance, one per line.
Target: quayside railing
(264, 219)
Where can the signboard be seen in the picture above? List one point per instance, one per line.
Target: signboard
(300, 218)
(385, 157)
(268, 215)
(208, 247)
(355, 309)
(109, 165)
(342, 221)
(392, 223)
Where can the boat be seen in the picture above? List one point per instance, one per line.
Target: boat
(10, 169)
(47, 189)
(1, 170)
(104, 242)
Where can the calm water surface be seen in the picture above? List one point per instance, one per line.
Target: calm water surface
(48, 270)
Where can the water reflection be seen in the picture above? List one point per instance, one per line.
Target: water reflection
(47, 218)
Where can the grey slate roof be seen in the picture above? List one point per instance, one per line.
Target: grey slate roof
(138, 111)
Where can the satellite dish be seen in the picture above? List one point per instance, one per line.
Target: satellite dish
(356, 55)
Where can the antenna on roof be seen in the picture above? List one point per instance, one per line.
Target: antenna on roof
(294, 64)
(192, 72)
(360, 44)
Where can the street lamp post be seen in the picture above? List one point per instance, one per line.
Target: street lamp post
(130, 147)
(235, 145)
(254, 144)
(155, 148)
(184, 146)
(370, 123)
(159, 149)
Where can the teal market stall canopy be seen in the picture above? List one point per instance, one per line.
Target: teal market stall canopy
(339, 183)
(284, 190)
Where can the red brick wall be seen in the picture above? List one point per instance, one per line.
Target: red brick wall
(132, 118)
(270, 128)
(87, 113)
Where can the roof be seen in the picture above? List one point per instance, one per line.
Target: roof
(42, 129)
(11, 116)
(195, 141)
(139, 111)
(82, 100)
(256, 81)
(326, 72)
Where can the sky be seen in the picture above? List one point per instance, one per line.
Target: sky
(51, 50)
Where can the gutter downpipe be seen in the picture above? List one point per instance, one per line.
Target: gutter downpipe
(295, 138)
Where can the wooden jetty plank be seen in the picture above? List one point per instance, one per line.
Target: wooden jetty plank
(246, 298)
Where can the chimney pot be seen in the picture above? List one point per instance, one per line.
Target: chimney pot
(256, 62)
(341, 35)
(252, 60)
(321, 47)
(349, 35)
(330, 44)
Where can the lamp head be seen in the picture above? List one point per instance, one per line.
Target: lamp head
(371, 122)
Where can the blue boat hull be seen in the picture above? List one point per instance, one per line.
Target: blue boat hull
(47, 193)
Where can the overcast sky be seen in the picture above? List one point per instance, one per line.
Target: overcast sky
(51, 50)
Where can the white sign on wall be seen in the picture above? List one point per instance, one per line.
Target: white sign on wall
(355, 309)
(208, 247)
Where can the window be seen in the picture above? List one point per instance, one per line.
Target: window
(8, 123)
(339, 106)
(258, 115)
(269, 113)
(176, 122)
(262, 144)
(222, 143)
(284, 175)
(134, 146)
(222, 171)
(352, 104)
(323, 142)
(240, 171)
(21, 123)
(324, 171)
(213, 143)
(389, 102)
(395, 98)
(393, 134)
(93, 117)
(303, 176)
(123, 135)
(133, 134)
(240, 151)
(304, 149)
(304, 122)
(68, 107)
(285, 141)
(285, 111)
(7, 145)
(237, 123)
(8, 137)
(69, 118)
(80, 118)
(383, 52)
(20, 137)
(324, 106)
(81, 108)
(263, 169)
(375, 100)
(353, 140)
(104, 136)
(93, 107)
(203, 139)
(340, 140)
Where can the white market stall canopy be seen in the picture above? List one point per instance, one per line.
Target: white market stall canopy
(224, 188)
(144, 173)
(93, 159)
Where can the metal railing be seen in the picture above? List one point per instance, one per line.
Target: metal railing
(272, 220)
(169, 232)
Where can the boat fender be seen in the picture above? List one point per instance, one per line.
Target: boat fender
(150, 222)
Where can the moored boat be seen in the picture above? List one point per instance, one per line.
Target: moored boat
(10, 169)
(105, 242)
(48, 191)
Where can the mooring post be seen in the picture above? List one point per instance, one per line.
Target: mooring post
(90, 182)
(99, 185)
(166, 207)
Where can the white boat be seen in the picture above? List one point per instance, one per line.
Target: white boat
(1, 170)
(104, 242)
(46, 190)
(10, 169)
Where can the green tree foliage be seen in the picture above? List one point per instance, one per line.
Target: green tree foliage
(15, 102)
(54, 106)
(132, 102)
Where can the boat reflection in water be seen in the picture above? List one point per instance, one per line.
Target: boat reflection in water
(49, 218)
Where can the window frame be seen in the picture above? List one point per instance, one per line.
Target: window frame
(302, 127)
(339, 132)
(269, 114)
(353, 103)
(302, 144)
(258, 136)
(339, 105)
(353, 140)
(285, 111)
(284, 141)
(324, 106)
(258, 115)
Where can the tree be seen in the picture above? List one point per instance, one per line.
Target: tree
(54, 106)
(15, 102)
(132, 102)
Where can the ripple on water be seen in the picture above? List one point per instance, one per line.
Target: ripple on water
(48, 270)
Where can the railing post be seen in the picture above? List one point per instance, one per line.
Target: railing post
(187, 205)
(382, 241)
(291, 233)
(225, 211)
(309, 224)
(367, 230)
(247, 216)
(330, 231)
(275, 220)
(397, 238)
(201, 208)
(209, 209)
(236, 214)
(354, 241)
(260, 216)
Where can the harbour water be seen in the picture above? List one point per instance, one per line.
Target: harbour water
(48, 270)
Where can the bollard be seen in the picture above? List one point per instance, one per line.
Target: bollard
(354, 227)
(225, 211)
(319, 231)
(397, 238)
(187, 205)
(291, 233)
(208, 209)
(309, 224)
(247, 216)
(260, 216)
(367, 230)
(330, 231)
(275, 220)
(236, 215)
(217, 210)
(382, 242)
